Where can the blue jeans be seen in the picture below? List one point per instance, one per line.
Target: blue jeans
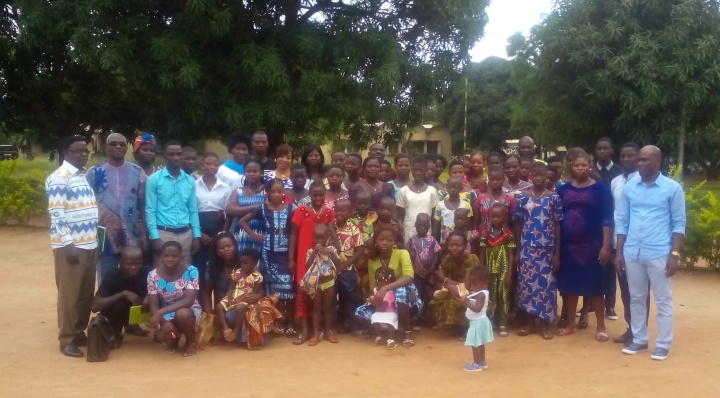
(639, 273)
(106, 263)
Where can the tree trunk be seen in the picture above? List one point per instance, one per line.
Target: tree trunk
(681, 147)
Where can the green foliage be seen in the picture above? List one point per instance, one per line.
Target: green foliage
(21, 197)
(702, 235)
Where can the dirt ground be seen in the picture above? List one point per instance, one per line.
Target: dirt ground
(31, 365)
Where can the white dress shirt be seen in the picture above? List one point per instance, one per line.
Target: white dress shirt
(616, 188)
(229, 176)
(213, 199)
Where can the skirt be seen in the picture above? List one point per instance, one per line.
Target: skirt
(276, 277)
(480, 332)
(387, 318)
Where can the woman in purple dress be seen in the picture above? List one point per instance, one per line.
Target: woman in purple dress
(586, 234)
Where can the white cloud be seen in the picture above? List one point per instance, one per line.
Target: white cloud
(505, 18)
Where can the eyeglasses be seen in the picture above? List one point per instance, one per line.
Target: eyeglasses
(80, 151)
(118, 144)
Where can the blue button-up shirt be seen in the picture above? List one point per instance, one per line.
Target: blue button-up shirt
(170, 202)
(648, 215)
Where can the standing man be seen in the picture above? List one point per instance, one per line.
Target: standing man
(171, 206)
(377, 150)
(189, 161)
(651, 231)
(526, 149)
(73, 236)
(259, 149)
(119, 187)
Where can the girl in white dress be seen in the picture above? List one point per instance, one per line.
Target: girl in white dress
(415, 198)
(480, 331)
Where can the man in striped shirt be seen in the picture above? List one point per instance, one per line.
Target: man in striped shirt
(73, 236)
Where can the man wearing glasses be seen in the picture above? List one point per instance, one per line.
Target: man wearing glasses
(119, 187)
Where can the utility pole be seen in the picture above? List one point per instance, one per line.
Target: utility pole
(465, 126)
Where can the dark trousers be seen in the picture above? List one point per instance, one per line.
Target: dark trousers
(611, 290)
(211, 222)
(118, 315)
(625, 297)
(349, 295)
(76, 289)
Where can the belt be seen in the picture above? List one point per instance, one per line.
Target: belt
(178, 230)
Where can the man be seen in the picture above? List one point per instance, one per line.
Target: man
(232, 171)
(122, 288)
(171, 206)
(651, 231)
(73, 236)
(628, 160)
(259, 149)
(144, 148)
(119, 188)
(377, 150)
(189, 160)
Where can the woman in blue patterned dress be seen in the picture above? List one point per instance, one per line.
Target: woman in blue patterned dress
(539, 212)
(276, 215)
(172, 296)
(244, 201)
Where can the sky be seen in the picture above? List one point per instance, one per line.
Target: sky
(506, 17)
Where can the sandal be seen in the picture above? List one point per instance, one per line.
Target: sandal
(408, 341)
(279, 331)
(313, 342)
(546, 334)
(377, 341)
(301, 339)
(362, 333)
(564, 332)
(503, 331)
(290, 332)
(524, 332)
(602, 337)
(390, 344)
(582, 323)
(332, 338)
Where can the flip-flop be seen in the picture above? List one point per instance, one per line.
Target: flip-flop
(313, 342)
(582, 324)
(503, 331)
(332, 338)
(390, 344)
(601, 337)
(564, 332)
(377, 341)
(524, 332)
(408, 341)
(301, 339)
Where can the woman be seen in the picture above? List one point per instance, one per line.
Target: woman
(233, 169)
(212, 197)
(494, 194)
(243, 201)
(371, 184)
(260, 318)
(172, 297)
(513, 184)
(353, 165)
(586, 235)
(445, 308)
(476, 173)
(144, 149)
(314, 162)
(402, 170)
(283, 159)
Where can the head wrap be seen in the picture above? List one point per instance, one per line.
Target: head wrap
(144, 139)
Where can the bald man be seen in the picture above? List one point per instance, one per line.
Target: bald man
(119, 187)
(650, 234)
(526, 149)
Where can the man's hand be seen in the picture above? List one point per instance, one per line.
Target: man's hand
(206, 240)
(72, 254)
(620, 263)
(156, 246)
(672, 266)
(195, 246)
(132, 297)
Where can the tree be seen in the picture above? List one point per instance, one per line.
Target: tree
(644, 70)
(490, 95)
(204, 67)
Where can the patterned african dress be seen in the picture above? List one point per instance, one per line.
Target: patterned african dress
(243, 239)
(446, 310)
(485, 202)
(537, 288)
(275, 248)
(243, 285)
(170, 292)
(446, 216)
(497, 246)
(422, 253)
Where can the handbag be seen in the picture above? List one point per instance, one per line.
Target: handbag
(100, 336)
(208, 331)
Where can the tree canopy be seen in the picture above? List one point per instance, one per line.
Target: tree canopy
(199, 68)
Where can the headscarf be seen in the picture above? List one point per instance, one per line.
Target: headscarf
(146, 138)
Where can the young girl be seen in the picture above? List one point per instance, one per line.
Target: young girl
(497, 252)
(480, 331)
(461, 224)
(513, 183)
(244, 201)
(444, 218)
(338, 159)
(416, 198)
(402, 170)
(495, 159)
(384, 219)
(365, 219)
(351, 248)
(325, 258)
(440, 165)
(385, 174)
(525, 164)
(303, 224)
(540, 213)
(335, 190)
(172, 296)
(430, 176)
(298, 177)
(245, 287)
(276, 215)
(475, 174)
(353, 163)
(424, 252)
(385, 317)
(495, 194)
(407, 300)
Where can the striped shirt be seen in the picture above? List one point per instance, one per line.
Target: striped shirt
(72, 207)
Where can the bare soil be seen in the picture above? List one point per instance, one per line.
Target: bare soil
(31, 364)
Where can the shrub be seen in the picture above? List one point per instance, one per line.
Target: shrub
(21, 196)
(702, 234)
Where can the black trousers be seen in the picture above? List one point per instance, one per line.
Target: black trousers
(118, 315)
(349, 296)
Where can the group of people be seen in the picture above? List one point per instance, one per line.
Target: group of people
(363, 246)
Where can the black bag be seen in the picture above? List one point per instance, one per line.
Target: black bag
(100, 336)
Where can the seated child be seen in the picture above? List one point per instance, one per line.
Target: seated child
(245, 281)
(385, 317)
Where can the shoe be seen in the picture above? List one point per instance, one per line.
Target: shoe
(71, 350)
(660, 353)
(80, 340)
(116, 342)
(633, 348)
(136, 330)
(611, 315)
(623, 338)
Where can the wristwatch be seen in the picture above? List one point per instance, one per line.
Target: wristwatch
(675, 253)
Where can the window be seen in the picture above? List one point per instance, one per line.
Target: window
(432, 146)
(393, 149)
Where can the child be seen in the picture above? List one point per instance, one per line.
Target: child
(476, 179)
(365, 219)
(384, 219)
(495, 194)
(353, 163)
(298, 176)
(351, 247)
(402, 172)
(334, 186)
(385, 316)
(325, 258)
(276, 215)
(553, 176)
(301, 241)
(461, 221)
(245, 281)
(495, 159)
(415, 198)
(424, 252)
(385, 174)
(497, 252)
(445, 211)
(539, 212)
(480, 331)
(337, 159)
(525, 164)
(514, 183)
(430, 176)
(440, 165)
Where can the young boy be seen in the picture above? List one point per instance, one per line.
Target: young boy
(424, 252)
(351, 248)
(525, 164)
(386, 207)
(365, 219)
(385, 174)
(189, 160)
(298, 176)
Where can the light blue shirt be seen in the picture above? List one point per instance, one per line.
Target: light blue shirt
(648, 215)
(171, 203)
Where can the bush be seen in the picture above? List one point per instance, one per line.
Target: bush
(21, 196)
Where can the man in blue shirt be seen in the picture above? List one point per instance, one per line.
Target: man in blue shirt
(650, 234)
(171, 208)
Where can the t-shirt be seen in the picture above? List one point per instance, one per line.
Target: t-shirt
(114, 282)
(399, 262)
